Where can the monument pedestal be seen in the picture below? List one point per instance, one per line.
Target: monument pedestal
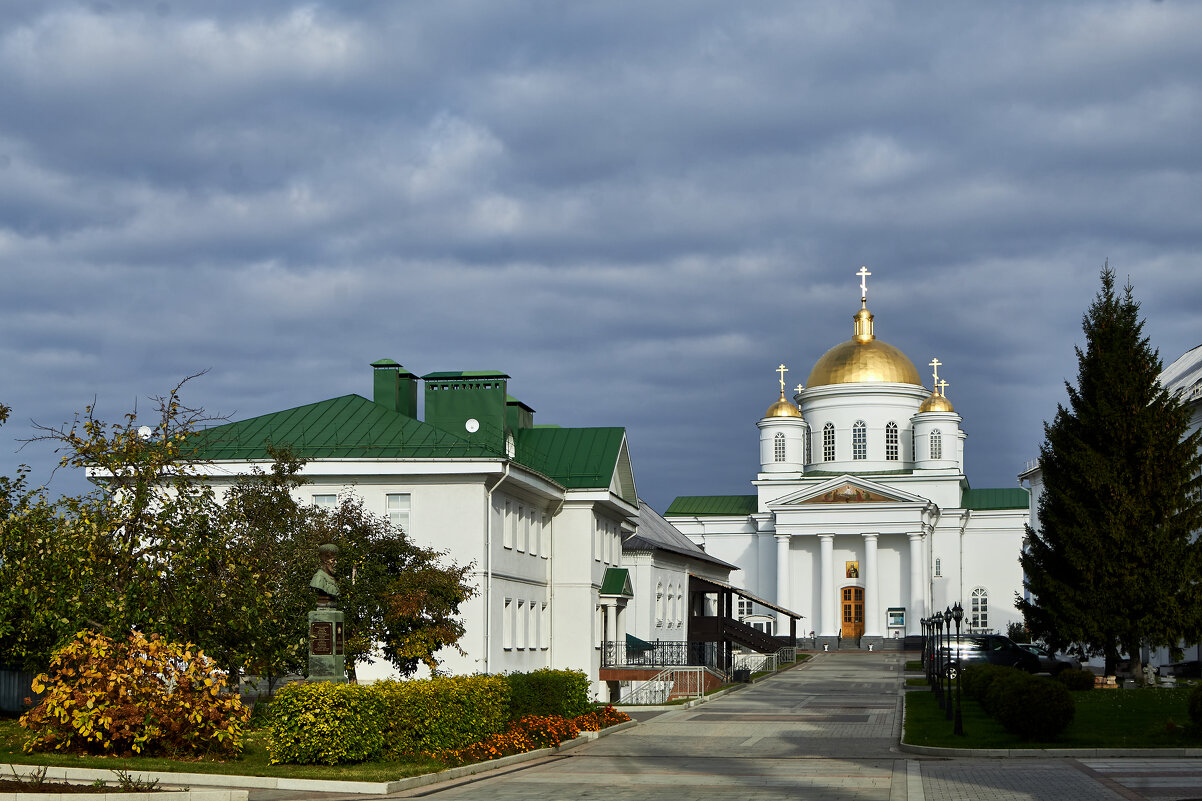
(327, 656)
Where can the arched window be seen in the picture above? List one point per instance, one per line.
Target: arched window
(859, 440)
(778, 444)
(828, 442)
(809, 454)
(659, 604)
(978, 617)
(938, 567)
(891, 441)
(936, 444)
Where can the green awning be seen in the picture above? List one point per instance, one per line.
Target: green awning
(617, 582)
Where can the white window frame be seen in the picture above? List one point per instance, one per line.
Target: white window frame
(521, 530)
(979, 609)
(404, 512)
(859, 440)
(325, 500)
(507, 527)
(507, 625)
(936, 444)
(828, 442)
(891, 442)
(778, 446)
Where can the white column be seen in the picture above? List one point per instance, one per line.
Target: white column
(782, 581)
(917, 609)
(872, 596)
(621, 630)
(826, 591)
(611, 622)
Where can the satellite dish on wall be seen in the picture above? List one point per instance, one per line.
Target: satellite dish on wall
(144, 432)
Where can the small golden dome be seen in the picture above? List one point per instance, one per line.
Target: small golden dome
(936, 403)
(863, 359)
(782, 408)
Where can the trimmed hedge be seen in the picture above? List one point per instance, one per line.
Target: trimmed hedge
(1195, 706)
(429, 716)
(548, 692)
(1033, 707)
(1076, 680)
(327, 723)
(330, 723)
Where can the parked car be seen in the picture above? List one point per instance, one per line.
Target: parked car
(1050, 662)
(992, 648)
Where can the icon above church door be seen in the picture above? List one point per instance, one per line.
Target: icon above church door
(853, 611)
(853, 569)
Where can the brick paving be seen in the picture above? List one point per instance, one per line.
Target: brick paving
(825, 731)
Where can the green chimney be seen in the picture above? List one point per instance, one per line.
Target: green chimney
(394, 387)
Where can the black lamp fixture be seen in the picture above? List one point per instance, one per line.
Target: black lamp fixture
(958, 616)
(947, 625)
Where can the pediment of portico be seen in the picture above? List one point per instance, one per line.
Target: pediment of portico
(847, 489)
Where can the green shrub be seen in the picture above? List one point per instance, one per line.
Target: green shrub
(1033, 707)
(1004, 685)
(1076, 680)
(978, 676)
(327, 723)
(1195, 706)
(430, 716)
(548, 692)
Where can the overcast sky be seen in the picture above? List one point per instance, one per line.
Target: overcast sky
(635, 209)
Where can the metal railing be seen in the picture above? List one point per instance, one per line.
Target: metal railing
(786, 655)
(671, 682)
(756, 663)
(661, 653)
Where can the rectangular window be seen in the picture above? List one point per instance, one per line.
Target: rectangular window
(521, 529)
(520, 635)
(597, 544)
(399, 506)
(545, 643)
(535, 634)
(531, 546)
(326, 501)
(545, 538)
(744, 607)
(507, 528)
(507, 625)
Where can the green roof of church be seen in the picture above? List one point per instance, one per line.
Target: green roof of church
(713, 505)
(352, 427)
(998, 498)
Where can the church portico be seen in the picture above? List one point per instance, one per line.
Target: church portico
(856, 474)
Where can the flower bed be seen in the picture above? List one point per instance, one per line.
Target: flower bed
(531, 733)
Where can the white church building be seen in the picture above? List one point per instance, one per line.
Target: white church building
(863, 519)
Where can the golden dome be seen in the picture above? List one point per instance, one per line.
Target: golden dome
(863, 359)
(936, 403)
(782, 408)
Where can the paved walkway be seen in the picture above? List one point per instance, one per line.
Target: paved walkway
(826, 730)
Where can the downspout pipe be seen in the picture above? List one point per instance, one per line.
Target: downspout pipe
(488, 569)
(551, 582)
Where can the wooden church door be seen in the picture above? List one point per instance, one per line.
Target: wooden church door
(853, 611)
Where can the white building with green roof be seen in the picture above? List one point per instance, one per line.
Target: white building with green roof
(862, 518)
(539, 510)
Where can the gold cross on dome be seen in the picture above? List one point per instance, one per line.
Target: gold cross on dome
(943, 385)
(863, 273)
(799, 388)
(935, 364)
(782, 370)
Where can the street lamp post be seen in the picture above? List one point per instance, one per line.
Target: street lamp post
(947, 625)
(940, 658)
(958, 615)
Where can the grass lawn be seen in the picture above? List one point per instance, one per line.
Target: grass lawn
(1143, 718)
(914, 665)
(252, 763)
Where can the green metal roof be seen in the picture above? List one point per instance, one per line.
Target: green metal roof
(352, 427)
(347, 427)
(577, 458)
(616, 582)
(447, 376)
(714, 505)
(999, 498)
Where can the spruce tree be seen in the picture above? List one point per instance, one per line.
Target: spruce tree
(1115, 564)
